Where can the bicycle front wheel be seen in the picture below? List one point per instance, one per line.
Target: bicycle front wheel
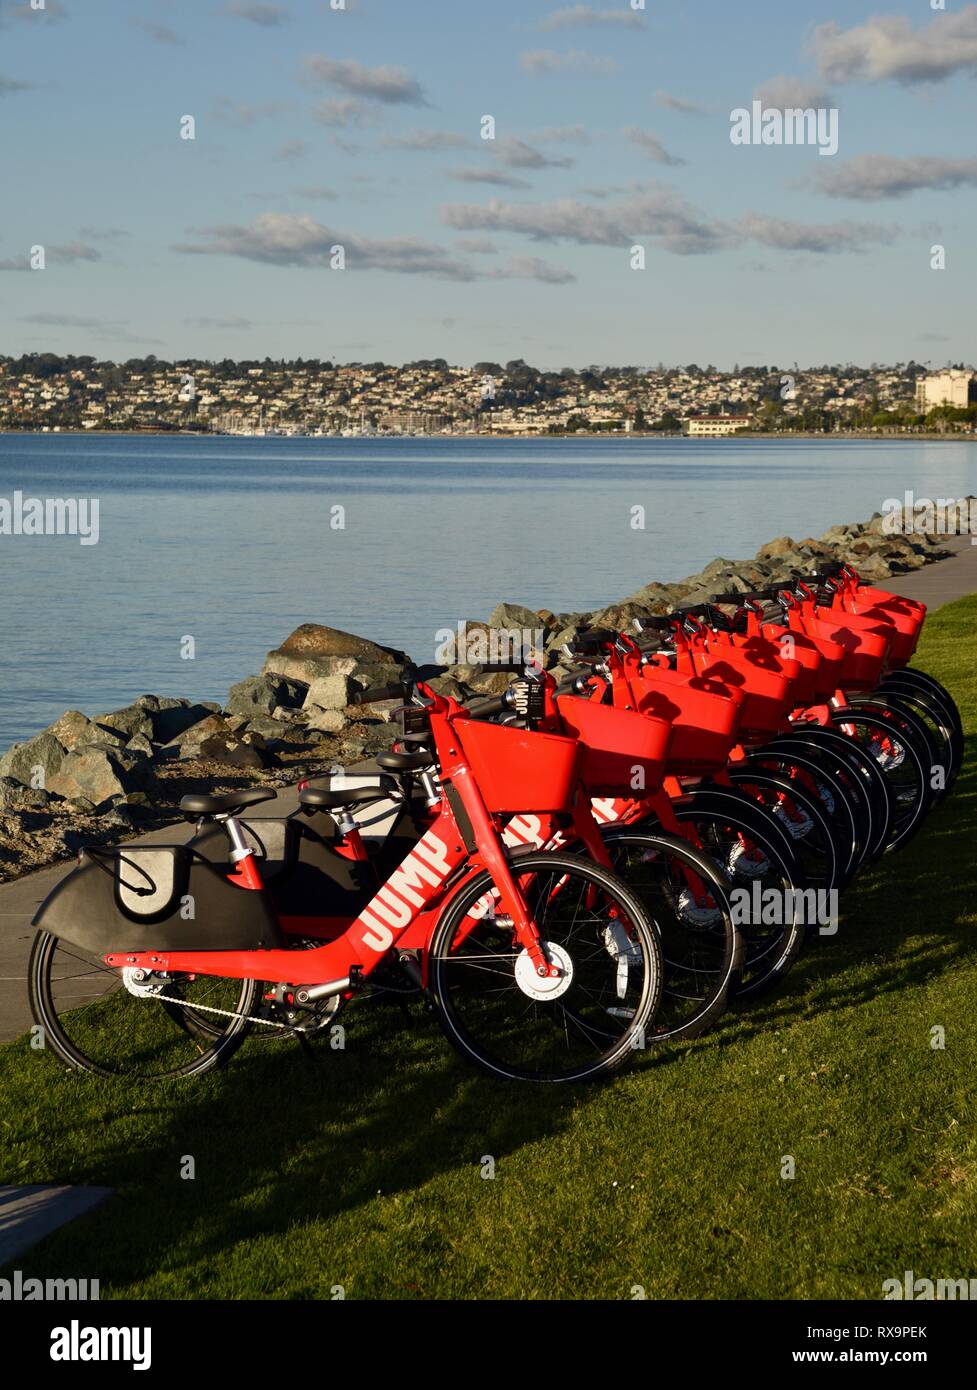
(578, 1026)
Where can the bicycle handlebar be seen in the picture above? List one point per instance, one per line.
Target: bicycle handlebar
(573, 684)
(594, 640)
(771, 591)
(485, 709)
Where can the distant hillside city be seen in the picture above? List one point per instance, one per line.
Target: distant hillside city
(47, 392)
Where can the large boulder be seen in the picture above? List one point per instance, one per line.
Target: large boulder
(245, 750)
(840, 535)
(187, 743)
(783, 547)
(653, 598)
(174, 717)
(446, 685)
(72, 729)
(482, 682)
(311, 649)
(467, 645)
(619, 616)
(327, 721)
(557, 640)
(34, 762)
(141, 746)
(15, 797)
(517, 616)
(331, 692)
(103, 737)
(133, 719)
(98, 775)
(715, 570)
(262, 695)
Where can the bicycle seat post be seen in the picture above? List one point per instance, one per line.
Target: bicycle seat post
(242, 854)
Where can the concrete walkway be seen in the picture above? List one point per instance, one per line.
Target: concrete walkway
(935, 585)
(28, 1214)
(943, 582)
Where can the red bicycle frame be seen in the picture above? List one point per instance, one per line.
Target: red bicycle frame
(462, 841)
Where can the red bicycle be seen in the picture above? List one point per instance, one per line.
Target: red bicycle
(543, 966)
(683, 889)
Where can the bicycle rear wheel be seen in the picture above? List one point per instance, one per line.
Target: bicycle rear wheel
(818, 849)
(857, 768)
(947, 741)
(577, 1027)
(95, 1019)
(763, 881)
(913, 678)
(837, 799)
(890, 739)
(686, 896)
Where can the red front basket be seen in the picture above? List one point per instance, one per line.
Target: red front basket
(866, 643)
(621, 751)
(767, 694)
(703, 714)
(517, 770)
(907, 627)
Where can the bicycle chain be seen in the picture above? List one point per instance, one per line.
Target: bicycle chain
(226, 1013)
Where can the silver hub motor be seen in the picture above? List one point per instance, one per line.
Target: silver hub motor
(741, 862)
(545, 988)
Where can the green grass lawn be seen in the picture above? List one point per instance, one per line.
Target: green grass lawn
(365, 1170)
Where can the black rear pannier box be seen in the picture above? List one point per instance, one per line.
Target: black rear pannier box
(156, 898)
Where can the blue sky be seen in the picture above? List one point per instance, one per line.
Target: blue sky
(360, 127)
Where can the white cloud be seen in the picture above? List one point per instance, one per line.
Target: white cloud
(887, 47)
(651, 145)
(546, 61)
(671, 103)
(496, 177)
(823, 239)
(162, 33)
(792, 94)
(517, 154)
(871, 177)
(659, 213)
(426, 141)
(532, 268)
(10, 85)
(588, 17)
(282, 239)
(340, 113)
(390, 85)
(267, 16)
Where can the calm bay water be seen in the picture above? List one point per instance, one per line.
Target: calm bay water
(230, 541)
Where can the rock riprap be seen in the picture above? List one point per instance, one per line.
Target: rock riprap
(97, 778)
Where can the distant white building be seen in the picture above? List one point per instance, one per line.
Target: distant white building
(717, 424)
(955, 387)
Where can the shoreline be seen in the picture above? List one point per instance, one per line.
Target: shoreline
(122, 773)
(879, 436)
